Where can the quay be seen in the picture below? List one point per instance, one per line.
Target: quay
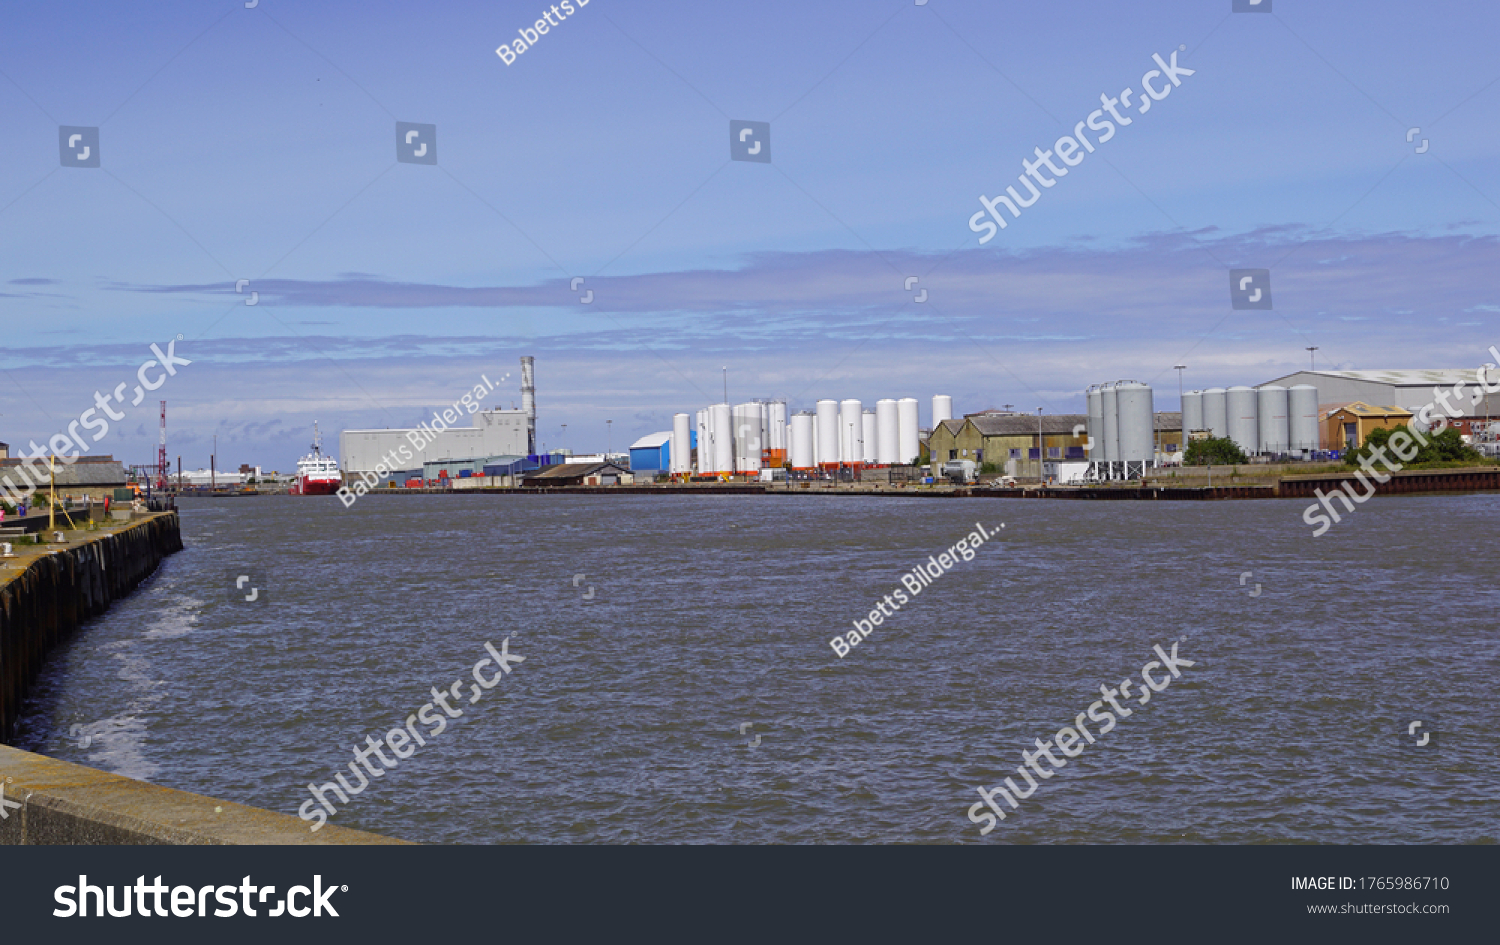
(46, 591)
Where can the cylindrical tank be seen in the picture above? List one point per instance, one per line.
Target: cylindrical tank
(828, 432)
(747, 437)
(942, 409)
(1192, 414)
(1109, 402)
(1244, 417)
(1302, 415)
(1275, 426)
(1216, 412)
(705, 453)
(1136, 423)
(1095, 452)
(906, 429)
(777, 436)
(887, 432)
(871, 438)
(801, 446)
(682, 443)
(851, 432)
(721, 430)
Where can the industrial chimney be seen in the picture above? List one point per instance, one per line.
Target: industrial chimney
(528, 400)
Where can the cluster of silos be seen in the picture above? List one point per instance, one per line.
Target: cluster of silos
(1122, 429)
(1270, 420)
(839, 433)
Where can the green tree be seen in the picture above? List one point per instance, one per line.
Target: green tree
(987, 468)
(1445, 447)
(1214, 451)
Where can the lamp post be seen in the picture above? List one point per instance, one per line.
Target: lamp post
(1312, 363)
(607, 428)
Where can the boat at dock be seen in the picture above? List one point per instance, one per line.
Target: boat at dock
(317, 474)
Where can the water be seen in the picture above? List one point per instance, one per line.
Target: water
(623, 724)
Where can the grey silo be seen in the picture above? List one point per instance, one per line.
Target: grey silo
(1095, 452)
(1136, 422)
(1244, 417)
(1275, 430)
(1192, 412)
(1302, 414)
(1111, 423)
(1216, 412)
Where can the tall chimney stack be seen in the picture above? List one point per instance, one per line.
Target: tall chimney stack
(528, 400)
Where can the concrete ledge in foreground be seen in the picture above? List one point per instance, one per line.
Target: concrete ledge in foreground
(64, 803)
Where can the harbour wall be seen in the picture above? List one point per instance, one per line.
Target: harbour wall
(46, 591)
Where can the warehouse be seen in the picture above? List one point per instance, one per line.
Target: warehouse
(1410, 390)
(580, 474)
(494, 433)
(652, 454)
(1348, 426)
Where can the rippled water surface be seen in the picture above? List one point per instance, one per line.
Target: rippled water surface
(624, 722)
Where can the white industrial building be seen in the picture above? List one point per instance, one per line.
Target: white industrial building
(1409, 389)
(493, 433)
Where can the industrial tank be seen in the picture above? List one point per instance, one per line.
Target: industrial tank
(776, 439)
(851, 432)
(705, 454)
(907, 423)
(801, 445)
(747, 437)
(1111, 424)
(942, 409)
(1095, 452)
(721, 431)
(871, 438)
(1216, 412)
(1302, 414)
(887, 432)
(1192, 414)
(682, 443)
(828, 432)
(1244, 417)
(1136, 422)
(1275, 428)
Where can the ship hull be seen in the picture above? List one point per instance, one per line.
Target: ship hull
(318, 487)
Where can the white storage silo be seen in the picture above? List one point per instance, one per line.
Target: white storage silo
(906, 429)
(887, 432)
(682, 443)
(800, 448)
(1136, 422)
(721, 431)
(851, 432)
(705, 454)
(828, 433)
(1095, 452)
(1192, 414)
(1275, 426)
(1109, 401)
(942, 409)
(871, 438)
(776, 437)
(1243, 407)
(747, 437)
(1216, 412)
(1302, 418)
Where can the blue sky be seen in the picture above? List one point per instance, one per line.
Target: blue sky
(260, 144)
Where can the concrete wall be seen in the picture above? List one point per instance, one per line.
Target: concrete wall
(46, 591)
(64, 803)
